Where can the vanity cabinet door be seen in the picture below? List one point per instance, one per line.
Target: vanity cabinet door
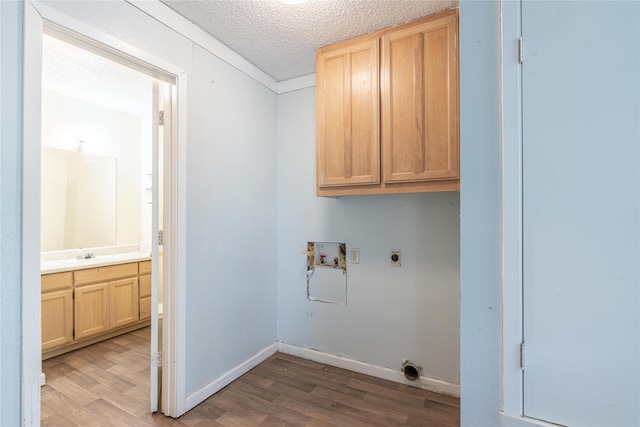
(123, 302)
(145, 295)
(57, 318)
(92, 310)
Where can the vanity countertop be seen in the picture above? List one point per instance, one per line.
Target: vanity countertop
(57, 266)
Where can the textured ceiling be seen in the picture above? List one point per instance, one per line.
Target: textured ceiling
(281, 39)
(80, 74)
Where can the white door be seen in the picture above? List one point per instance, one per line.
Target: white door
(161, 199)
(156, 215)
(581, 212)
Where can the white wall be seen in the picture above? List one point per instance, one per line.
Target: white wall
(10, 221)
(480, 214)
(231, 194)
(231, 236)
(411, 312)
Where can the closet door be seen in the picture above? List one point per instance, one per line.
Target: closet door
(581, 212)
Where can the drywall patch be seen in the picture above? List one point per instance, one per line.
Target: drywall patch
(327, 272)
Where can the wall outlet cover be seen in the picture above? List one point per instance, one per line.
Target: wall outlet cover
(354, 256)
(394, 258)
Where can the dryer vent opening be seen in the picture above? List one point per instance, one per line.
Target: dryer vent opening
(411, 370)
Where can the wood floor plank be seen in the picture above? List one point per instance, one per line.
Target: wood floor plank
(57, 420)
(74, 392)
(387, 392)
(88, 360)
(107, 384)
(273, 421)
(320, 411)
(252, 391)
(268, 407)
(78, 415)
(374, 412)
(131, 406)
(106, 411)
(414, 411)
(430, 395)
(245, 419)
(201, 414)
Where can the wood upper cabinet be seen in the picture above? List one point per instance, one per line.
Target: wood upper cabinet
(347, 106)
(420, 102)
(387, 110)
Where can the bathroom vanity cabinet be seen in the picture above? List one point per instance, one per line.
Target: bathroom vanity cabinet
(83, 306)
(387, 105)
(144, 277)
(57, 310)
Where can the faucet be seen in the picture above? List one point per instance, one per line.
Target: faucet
(88, 255)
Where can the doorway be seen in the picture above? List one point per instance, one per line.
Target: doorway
(105, 127)
(39, 19)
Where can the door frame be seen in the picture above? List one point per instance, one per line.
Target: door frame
(37, 17)
(512, 216)
(512, 322)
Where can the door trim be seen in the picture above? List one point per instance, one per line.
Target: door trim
(512, 322)
(37, 16)
(512, 414)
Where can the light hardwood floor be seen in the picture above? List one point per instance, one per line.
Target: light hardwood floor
(107, 384)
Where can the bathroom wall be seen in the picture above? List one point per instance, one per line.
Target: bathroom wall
(392, 313)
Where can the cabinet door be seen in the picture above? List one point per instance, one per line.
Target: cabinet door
(145, 296)
(92, 310)
(124, 304)
(347, 111)
(57, 318)
(419, 90)
(145, 285)
(145, 308)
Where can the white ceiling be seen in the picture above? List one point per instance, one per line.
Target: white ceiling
(81, 74)
(281, 39)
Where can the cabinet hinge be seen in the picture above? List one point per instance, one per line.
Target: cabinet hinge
(521, 49)
(156, 360)
(522, 359)
(160, 118)
(160, 237)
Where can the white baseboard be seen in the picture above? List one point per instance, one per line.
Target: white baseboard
(228, 377)
(43, 379)
(426, 383)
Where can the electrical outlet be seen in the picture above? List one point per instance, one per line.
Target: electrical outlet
(394, 258)
(354, 256)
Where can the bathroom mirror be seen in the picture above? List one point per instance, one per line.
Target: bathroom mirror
(96, 139)
(78, 200)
